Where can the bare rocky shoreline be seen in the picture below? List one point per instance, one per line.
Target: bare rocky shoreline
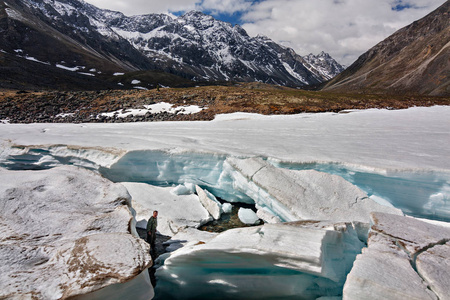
(91, 106)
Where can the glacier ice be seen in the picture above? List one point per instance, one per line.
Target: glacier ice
(227, 208)
(175, 211)
(66, 232)
(164, 168)
(188, 236)
(139, 288)
(278, 193)
(248, 216)
(181, 190)
(414, 178)
(296, 195)
(305, 259)
(405, 259)
(209, 201)
(433, 265)
(421, 194)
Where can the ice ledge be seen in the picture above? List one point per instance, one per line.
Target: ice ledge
(298, 256)
(65, 232)
(405, 259)
(301, 195)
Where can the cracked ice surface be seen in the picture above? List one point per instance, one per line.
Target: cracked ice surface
(66, 232)
(434, 267)
(173, 153)
(405, 259)
(411, 139)
(302, 195)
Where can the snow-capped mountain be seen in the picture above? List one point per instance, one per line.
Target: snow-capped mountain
(209, 49)
(195, 46)
(324, 64)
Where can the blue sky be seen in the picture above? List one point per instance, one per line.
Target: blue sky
(343, 28)
(233, 18)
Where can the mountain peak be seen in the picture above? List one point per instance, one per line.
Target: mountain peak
(195, 15)
(325, 64)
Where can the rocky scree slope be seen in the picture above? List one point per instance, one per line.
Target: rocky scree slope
(88, 106)
(415, 59)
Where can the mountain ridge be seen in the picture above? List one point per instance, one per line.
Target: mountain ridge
(415, 59)
(195, 46)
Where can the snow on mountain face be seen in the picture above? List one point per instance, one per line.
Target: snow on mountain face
(324, 64)
(216, 50)
(70, 33)
(194, 45)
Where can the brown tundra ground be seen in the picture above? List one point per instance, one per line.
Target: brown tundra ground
(85, 106)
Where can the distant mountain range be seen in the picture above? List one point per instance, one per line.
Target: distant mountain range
(415, 59)
(71, 44)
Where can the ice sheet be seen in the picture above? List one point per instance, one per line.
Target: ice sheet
(415, 138)
(405, 259)
(175, 212)
(65, 232)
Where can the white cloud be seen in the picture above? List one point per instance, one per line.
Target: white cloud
(343, 28)
(224, 6)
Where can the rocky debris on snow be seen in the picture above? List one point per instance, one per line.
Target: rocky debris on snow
(117, 106)
(66, 232)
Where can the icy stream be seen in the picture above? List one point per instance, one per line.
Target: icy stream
(224, 274)
(424, 194)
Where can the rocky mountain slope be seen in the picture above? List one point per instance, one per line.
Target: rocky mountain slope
(415, 59)
(93, 44)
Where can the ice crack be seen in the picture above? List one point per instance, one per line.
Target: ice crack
(256, 172)
(414, 263)
(412, 256)
(356, 201)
